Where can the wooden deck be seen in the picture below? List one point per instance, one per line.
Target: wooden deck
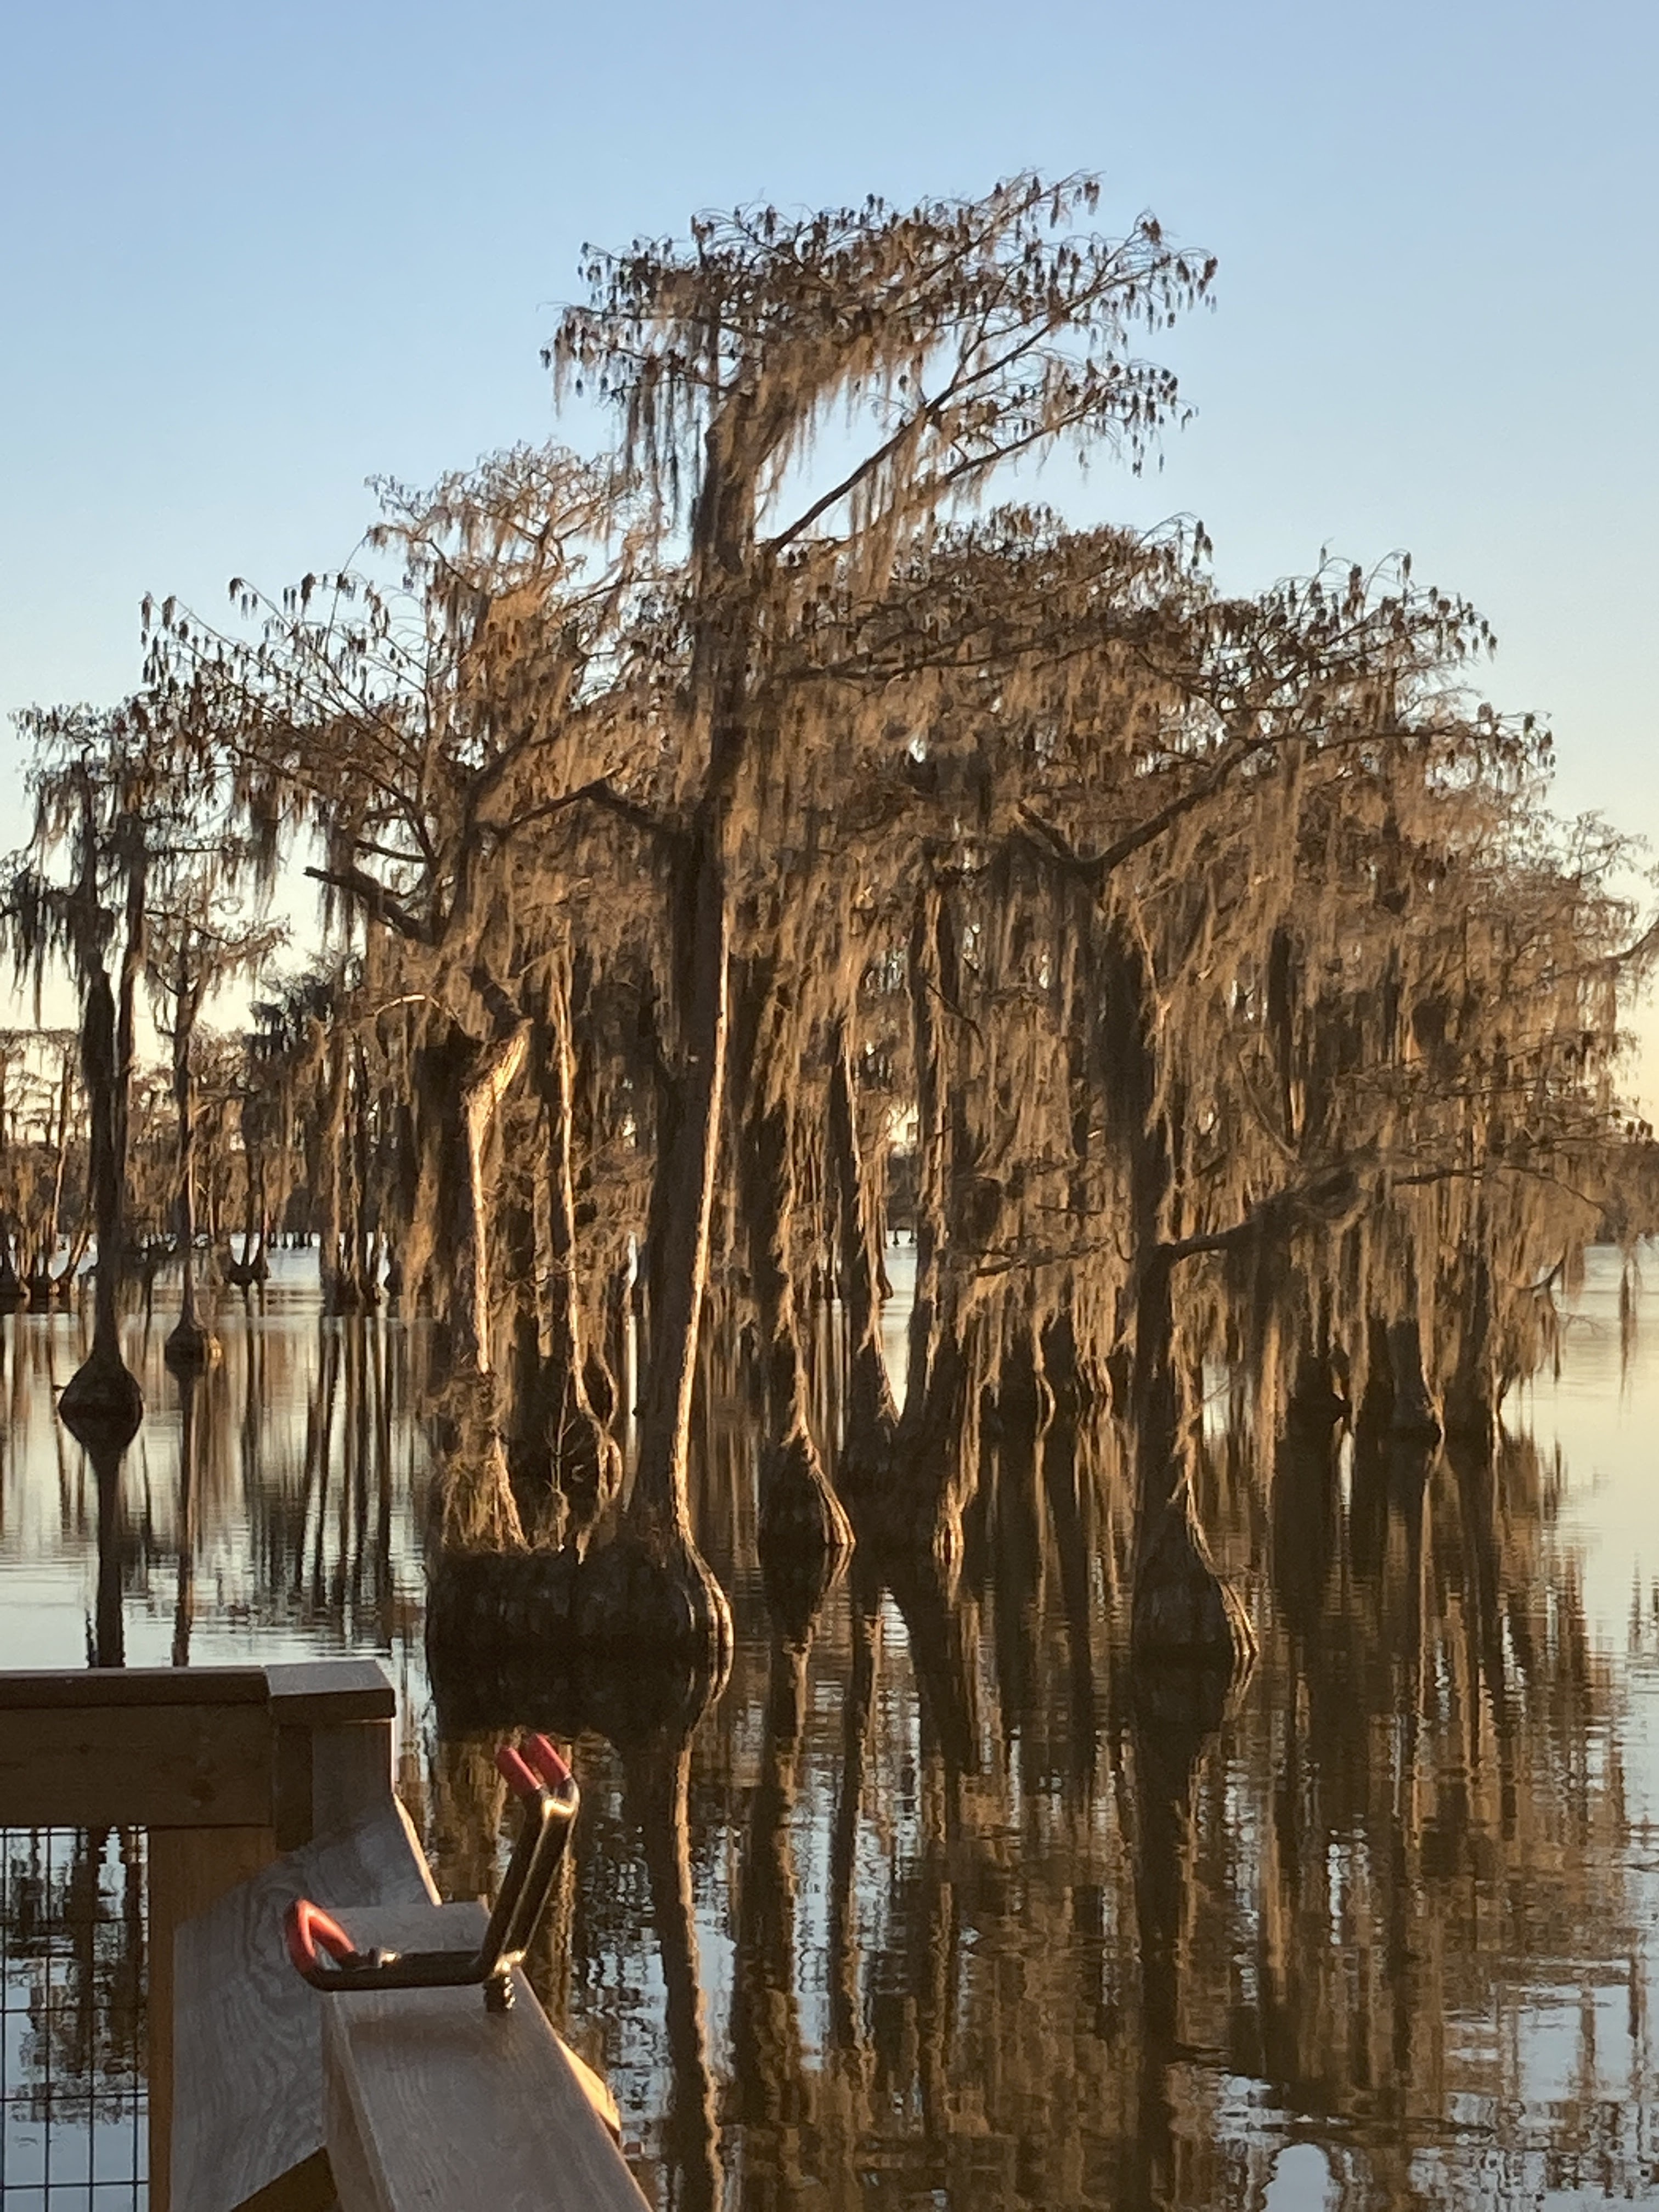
(258, 1785)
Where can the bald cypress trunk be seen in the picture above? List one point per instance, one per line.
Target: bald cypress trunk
(57, 1286)
(935, 1458)
(463, 1082)
(585, 1461)
(652, 1586)
(103, 1393)
(927, 961)
(872, 1415)
(339, 1291)
(797, 1507)
(683, 1199)
(1181, 1608)
(109, 1638)
(1471, 1399)
(189, 1344)
(14, 1292)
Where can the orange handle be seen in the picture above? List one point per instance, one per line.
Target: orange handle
(306, 1925)
(515, 1773)
(540, 1753)
(532, 1767)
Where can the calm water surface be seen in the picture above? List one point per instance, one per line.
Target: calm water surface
(930, 1910)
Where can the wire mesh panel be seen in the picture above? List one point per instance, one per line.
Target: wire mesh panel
(73, 2102)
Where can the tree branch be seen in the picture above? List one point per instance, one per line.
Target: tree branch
(377, 899)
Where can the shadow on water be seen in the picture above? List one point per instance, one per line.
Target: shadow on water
(931, 1901)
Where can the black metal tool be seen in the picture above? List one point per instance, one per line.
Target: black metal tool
(546, 1788)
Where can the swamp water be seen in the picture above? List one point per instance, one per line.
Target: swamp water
(933, 1912)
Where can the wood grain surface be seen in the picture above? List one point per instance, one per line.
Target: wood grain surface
(190, 1870)
(38, 1690)
(247, 2031)
(173, 1765)
(436, 2102)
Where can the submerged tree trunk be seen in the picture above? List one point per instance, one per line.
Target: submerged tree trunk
(846, 2013)
(1173, 1721)
(656, 1771)
(189, 1343)
(184, 1612)
(1181, 1608)
(768, 2062)
(103, 1393)
(871, 1416)
(651, 1584)
(585, 1461)
(109, 1635)
(478, 1507)
(1066, 1492)
(797, 1507)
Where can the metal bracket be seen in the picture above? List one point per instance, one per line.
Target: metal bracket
(547, 1790)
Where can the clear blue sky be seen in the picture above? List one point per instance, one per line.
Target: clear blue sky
(250, 256)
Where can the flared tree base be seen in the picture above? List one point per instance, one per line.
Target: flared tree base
(190, 1346)
(800, 1513)
(637, 1595)
(1183, 1612)
(503, 1651)
(102, 1401)
(513, 1612)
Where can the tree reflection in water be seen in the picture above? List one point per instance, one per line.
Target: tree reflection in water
(72, 2001)
(931, 1901)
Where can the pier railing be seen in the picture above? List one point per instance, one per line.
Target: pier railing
(258, 1784)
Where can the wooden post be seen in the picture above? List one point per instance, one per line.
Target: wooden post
(190, 1869)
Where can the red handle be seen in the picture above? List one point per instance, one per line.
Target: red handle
(530, 1767)
(515, 1773)
(540, 1753)
(306, 1925)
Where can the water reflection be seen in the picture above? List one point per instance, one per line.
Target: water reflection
(927, 1904)
(72, 2016)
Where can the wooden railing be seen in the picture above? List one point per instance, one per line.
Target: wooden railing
(257, 1784)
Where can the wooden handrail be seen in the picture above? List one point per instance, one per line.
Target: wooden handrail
(25, 1689)
(218, 1746)
(342, 1689)
(226, 1767)
(257, 1783)
(430, 2099)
